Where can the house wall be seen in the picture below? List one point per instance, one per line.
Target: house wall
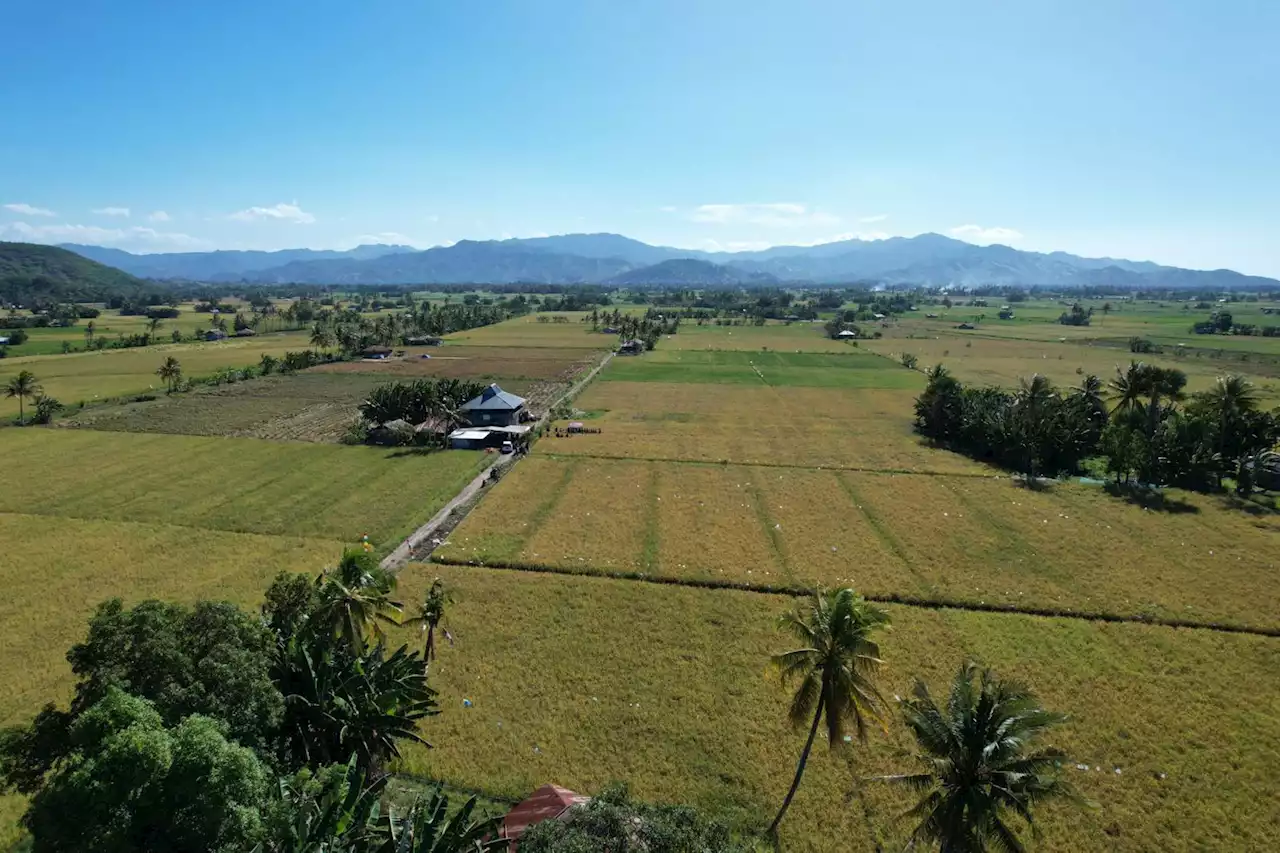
(494, 418)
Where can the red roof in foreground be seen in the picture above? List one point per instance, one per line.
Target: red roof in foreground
(546, 803)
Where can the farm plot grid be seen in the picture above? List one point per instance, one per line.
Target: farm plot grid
(688, 710)
(984, 542)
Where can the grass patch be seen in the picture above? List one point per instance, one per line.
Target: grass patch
(230, 484)
(869, 429)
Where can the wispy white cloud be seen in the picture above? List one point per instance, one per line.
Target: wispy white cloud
(868, 220)
(158, 216)
(135, 237)
(668, 208)
(112, 211)
(773, 215)
(281, 212)
(385, 238)
(28, 209)
(983, 236)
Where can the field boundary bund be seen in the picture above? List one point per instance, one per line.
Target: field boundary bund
(551, 454)
(904, 600)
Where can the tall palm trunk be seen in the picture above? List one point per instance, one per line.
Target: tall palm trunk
(804, 758)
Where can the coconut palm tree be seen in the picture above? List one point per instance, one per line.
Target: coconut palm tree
(321, 336)
(153, 324)
(355, 598)
(1230, 397)
(980, 762)
(1129, 387)
(22, 386)
(89, 329)
(430, 614)
(835, 665)
(171, 372)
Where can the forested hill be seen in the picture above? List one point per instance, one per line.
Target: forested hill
(31, 273)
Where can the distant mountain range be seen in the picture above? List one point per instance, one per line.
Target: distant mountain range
(926, 260)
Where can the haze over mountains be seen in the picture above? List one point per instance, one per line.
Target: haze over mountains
(926, 260)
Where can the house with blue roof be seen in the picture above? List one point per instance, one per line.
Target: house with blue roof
(494, 408)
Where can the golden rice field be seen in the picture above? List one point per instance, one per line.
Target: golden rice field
(994, 361)
(869, 429)
(585, 680)
(977, 540)
(230, 484)
(101, 375)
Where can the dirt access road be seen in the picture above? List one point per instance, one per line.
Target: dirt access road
(462, 501)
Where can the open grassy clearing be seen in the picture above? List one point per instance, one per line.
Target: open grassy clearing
(761, 425)
(308, 406)
(470, 362)
(687, 710)
(981, 541)
(230, 484)
(112, 373)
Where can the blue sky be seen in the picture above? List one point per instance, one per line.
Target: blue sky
(1138, 129)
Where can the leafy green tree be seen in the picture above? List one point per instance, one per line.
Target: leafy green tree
(171, 372)
(22, 386)
(835, 666)
(47, 408)
(212, 659)
(612, 821)
(980, 763)
(268, 364)
(129, 782)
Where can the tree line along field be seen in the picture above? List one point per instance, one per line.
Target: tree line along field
(109, 324)
(688, 710)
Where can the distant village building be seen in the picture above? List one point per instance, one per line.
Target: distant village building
(847, 334)
(423, 341)
(215, 335)
(632, 347)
